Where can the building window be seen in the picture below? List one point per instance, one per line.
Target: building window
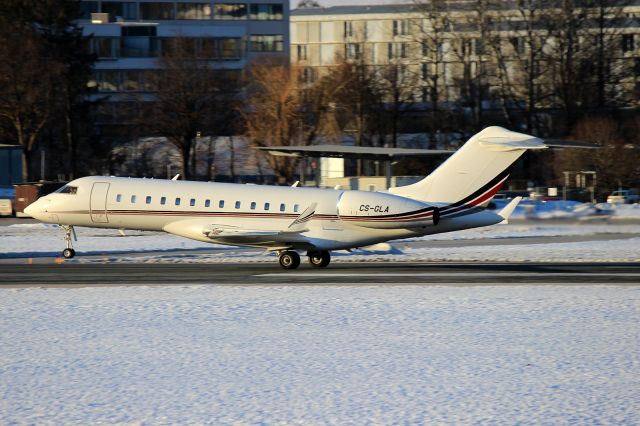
(302, 52)
(177, 201)
(266, 12)
(238, 204)
(156, 10)
(104, 47)
(125, 10)
(207, 203)
(397, 50)
(221, 204)
(87, 8)
(425, 70)
(222, 48)
(352, 51)
(108, 81)
(266, 43)
(296, 208)
(282, 207)
(401, 27)
(628, 44)
(163, 200)
(253, 205)
(229, 11)
(192, 202)
(517, 43)
(266, 206)
(193, 11)
(348, 29)
(148, 200)
(118, 198)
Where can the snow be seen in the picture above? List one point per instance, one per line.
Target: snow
(320, 355)
(36, 240)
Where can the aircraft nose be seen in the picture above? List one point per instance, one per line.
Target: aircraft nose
(35, 209)
(30, 210)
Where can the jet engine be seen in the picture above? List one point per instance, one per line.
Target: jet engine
(385, 211)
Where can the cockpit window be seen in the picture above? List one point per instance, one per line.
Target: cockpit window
(67, 189)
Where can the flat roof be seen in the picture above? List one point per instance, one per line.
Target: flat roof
(341, 151)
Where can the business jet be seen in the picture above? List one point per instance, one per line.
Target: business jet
(286, 220)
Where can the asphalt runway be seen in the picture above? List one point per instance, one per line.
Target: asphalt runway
(356, 274)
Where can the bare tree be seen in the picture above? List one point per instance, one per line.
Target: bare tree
(29, 76)
(190, 99)
(615, 163)
(272, 111)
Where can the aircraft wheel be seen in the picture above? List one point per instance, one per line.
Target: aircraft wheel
(319, 259)
(289, 260)
(68, 253)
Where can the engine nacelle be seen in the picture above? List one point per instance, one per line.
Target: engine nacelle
(385, 211)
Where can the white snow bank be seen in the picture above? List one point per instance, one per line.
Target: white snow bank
(320, 355)
(32, 240)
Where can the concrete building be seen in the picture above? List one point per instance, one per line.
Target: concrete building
(449, 55)
(129, 36)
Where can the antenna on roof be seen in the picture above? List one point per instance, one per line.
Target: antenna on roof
(176, 177)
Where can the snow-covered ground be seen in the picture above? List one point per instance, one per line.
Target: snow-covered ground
(34, 240)
(320, 355)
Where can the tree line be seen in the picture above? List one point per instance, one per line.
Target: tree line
(554, 69)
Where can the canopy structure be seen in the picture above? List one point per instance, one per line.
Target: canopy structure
(386, 155)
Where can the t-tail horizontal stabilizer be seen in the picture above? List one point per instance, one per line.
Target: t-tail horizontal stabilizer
(506, 212)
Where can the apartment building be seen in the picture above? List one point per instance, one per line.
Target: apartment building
(448, 55)
(129, 36)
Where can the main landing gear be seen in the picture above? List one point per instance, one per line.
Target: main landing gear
(69, 252)
(319, 259)
(290, 259)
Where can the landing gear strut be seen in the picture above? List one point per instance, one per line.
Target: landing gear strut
(319, 259)
(289, 259)
(69, 252)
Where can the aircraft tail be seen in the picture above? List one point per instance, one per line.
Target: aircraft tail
(476, 171)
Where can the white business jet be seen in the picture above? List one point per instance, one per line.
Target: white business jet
(286, 220)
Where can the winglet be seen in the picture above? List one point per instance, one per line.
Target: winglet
(298, 225)
(506, 212)
(176, 177)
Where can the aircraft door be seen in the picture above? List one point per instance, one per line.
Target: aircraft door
(99, 202)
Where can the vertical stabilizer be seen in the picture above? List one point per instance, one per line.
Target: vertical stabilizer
(475, 171)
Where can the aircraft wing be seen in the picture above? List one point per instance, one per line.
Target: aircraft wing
(225, 233)
(273, 240)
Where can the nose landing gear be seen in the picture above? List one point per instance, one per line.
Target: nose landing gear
(69, 252)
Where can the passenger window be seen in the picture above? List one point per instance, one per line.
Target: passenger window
(118, 198)
(133, 198)
(237, 204)
(192, 202)
(282, 207)
(148, 199)
(221, 204)
(266, 206)
(207, 203)
(163, 200)
(253, 205)
(296, 208)
(177, 201)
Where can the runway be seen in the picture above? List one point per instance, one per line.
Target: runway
(338, 274)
